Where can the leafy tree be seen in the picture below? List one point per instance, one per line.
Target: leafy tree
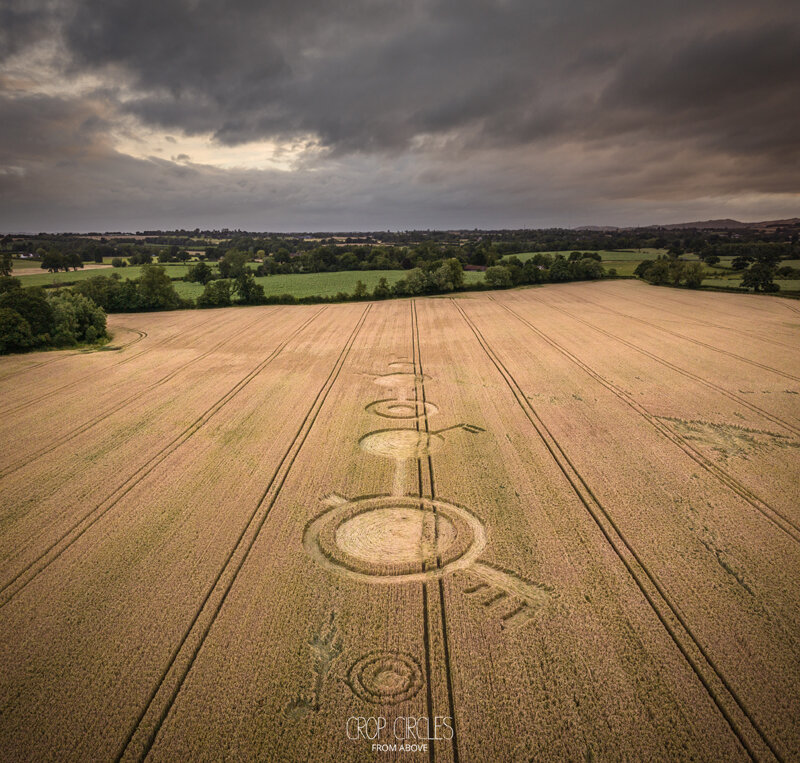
(250, 292)
(498, 277)
(559, 270)
(215, 294)
(450, 274)
(118, 262)
(156, 291)
(759, 277)
(587, 268)
(53, 261)
(33, 307)
(72, 260)
(533, 273)
(8, 283)
(693, 273)
(15, 331)
(382, 290)
(6, 264)
(77, 318)
(233, 264)
(657, 272)
(199, 273)
(360, 290)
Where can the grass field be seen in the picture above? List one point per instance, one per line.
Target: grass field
(131, 271)
(623, 261)
(297, 284)
(633, 255)
(563, 519)
(319, 284)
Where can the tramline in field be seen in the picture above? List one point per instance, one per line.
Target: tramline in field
(549, 523)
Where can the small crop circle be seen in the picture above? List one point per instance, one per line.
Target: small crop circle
(386, 678)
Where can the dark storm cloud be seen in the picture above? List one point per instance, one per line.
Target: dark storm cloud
(547, 105)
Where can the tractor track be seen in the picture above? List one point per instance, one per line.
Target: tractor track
(34, 568)
(752, 334)
(65, 355)
(419, 394)
(683, 372)
(774, 516)
(744, 727)
(69, 385)
(142, 736)
(80, 429)
(740, 358)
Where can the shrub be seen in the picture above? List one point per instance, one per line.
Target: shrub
(215, 294)
(498, 277)
(77, 318)
(15, 332)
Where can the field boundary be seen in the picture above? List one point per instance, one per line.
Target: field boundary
(140, 739)
(744, 727)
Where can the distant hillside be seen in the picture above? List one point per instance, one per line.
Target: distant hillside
(728, 224)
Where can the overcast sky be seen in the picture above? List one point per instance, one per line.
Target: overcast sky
(379, 114)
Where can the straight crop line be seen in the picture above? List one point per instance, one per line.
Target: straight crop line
(743, 726)
(426, 637)
(419, 390)
(81, 428)
(143, 734)
(774, 516)
(694, 341)
(10, 589)
(695, 319)
(683, 372)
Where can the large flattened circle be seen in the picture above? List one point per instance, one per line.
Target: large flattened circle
(401, 444)
(395, 539)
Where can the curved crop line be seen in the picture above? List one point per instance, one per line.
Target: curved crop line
(68, 385)
(667, 613)
(81, 428)
(64, 355)
(255, 523)
(33, 569)
(783, 522)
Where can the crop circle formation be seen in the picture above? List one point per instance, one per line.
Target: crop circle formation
(386, 678)
(395, 538)
(402, 409)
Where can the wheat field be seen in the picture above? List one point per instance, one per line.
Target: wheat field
(558, 523)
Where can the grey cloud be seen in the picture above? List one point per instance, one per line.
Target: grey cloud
(504, 109)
